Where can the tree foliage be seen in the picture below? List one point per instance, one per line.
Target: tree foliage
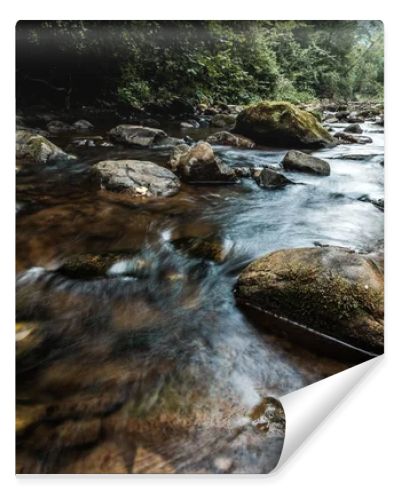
(202, 61)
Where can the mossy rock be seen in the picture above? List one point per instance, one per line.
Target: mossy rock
(91, 265)
(282, 124)
(332, 290)
(32, 148)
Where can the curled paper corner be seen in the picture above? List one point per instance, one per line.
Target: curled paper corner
(308, 407)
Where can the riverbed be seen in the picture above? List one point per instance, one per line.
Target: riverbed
(162, 372)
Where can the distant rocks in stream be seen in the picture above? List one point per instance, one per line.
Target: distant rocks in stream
(283, 124)
(199, 164)
(353, 129)
(270, 178)
(32, 148)
(225, 138)
(345, 138)
(378, 203)
(332, 290)
(222, 120)
(137, 135)
(302, 162)
(136, 178)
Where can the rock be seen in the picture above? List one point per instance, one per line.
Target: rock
(82, 125)
(378, 203)
(380, 121)
(353, 129)
(302, 162)
(332, 290)
(212, 249)
(36, 149)
(57, 126)
(199, 164)
(282, 123)
(189, 124)
(341, 115)
(242, 171)
(270, 178)
(256, 172)
(138, 178)
(28, 338)
(223, 121)
(354, 118)
(136, 135)
(92, 265)
(225, 138)
(344, 138)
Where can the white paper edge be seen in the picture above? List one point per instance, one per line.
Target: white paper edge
(306, 408)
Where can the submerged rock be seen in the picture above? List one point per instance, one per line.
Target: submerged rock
(204, 248)
(225, 138)
(331, 289)
(378, 203)
(302, 162)
(270, 178)
(199, 164)
(83, 125)
(138, 178)
(345, 138)
(137, 135)
(282, 123)
(35, 149)
(57, 126)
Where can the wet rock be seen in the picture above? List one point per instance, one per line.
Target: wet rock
(332, 290)
(302, 162)
(353, 129)
(57, 127)
(86, 266)
(256, 172)
(204, 248)
(270, 178)
(380, 121)
(137, 135)
(341, 115)
(242, 171)
(354, 117)
(225, 138)
(356, 157)
(223, 121)
(344, 138)
(189, 124)
(282, 123)
(199, 164)
(136, 178)
(378, 203)
(82, 125)
(36, 149)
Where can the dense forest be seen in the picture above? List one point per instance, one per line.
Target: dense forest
(140, 62)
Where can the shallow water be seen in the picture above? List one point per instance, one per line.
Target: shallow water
(161, 372)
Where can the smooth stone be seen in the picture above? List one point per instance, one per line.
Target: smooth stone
(302, 162)
(270, 178)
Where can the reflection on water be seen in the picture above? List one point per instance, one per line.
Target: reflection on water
(146, 365)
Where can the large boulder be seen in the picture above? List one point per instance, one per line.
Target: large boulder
(270, 178)
(221, 120)
(332, 290)
(199, 164)
(138, 178)
(302, 162)
(283, 124)
(32, 148)
(136, 135)
(225, 138)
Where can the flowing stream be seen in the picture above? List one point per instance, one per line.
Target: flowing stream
(158, 370)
